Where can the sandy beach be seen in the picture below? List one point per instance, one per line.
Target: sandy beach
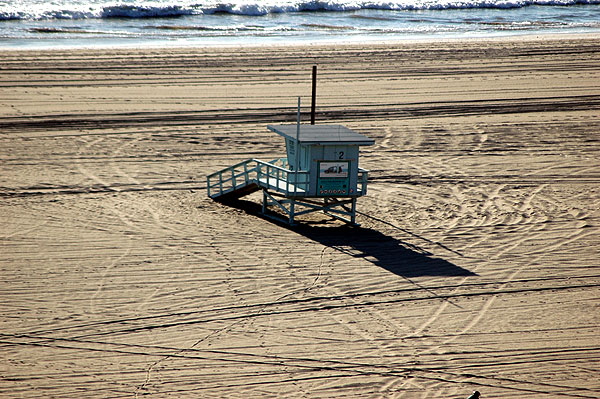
(476, 266)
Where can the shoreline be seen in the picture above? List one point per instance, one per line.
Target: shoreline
(529, 37)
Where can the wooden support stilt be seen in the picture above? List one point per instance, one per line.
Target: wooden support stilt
(291, 208)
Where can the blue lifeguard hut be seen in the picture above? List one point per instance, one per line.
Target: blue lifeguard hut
(320, 173)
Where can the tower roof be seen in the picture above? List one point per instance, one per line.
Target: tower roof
(321, 134)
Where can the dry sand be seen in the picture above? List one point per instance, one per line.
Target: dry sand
(476, 266)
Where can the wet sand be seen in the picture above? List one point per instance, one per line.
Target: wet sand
(475, 268)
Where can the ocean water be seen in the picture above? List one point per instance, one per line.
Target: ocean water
(138, 23)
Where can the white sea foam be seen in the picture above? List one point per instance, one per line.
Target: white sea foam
(90, 23)
(90, 9)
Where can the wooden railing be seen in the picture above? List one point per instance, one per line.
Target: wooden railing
(264, 174)
(268, 175)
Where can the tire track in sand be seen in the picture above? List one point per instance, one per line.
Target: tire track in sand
(489, 200)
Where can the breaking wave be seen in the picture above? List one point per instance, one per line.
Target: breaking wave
(82, 9)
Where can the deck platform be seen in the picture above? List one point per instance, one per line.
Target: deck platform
(283, 189)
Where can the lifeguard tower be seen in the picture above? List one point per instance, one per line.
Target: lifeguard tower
(320, 173)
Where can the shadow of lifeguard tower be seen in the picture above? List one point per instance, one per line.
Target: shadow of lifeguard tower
(383, 250)
(321, 173)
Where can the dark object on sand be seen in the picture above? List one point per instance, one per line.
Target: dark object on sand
(474, 395)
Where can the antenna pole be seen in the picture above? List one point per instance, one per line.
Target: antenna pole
(298, 121)
(297, 149)
(314, 95)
